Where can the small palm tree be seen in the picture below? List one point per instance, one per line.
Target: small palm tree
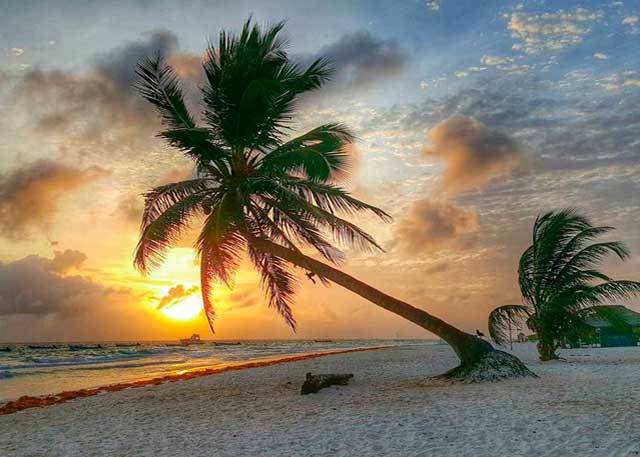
(259, 192)
(560, 283)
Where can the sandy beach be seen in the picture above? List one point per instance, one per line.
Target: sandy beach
(588, 405)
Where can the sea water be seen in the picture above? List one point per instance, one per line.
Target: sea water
(39, 369)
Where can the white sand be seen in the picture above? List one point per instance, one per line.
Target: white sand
(586, 406)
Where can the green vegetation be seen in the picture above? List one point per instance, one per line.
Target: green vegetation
(560, 283)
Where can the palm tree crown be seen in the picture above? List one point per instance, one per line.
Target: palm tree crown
(252, 181)
(559, 280)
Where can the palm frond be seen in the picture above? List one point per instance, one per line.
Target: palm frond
(319, 154)
(199, 144)
(592, 255)
(300, 226)
(278, 281)
(252, 86)
(163, 231)
(159, 84)
(330, 198)
(612, 291)
(161, 198)
(501, 318)
(220, 240)
(219, 246)
(343, 231)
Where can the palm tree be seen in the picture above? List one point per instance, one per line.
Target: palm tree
(560, 283)
(260, 191)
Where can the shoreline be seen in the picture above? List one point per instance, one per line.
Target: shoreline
(27, 401)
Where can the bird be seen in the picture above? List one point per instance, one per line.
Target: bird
(479, 333)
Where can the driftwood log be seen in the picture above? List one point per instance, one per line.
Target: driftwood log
(314, 383)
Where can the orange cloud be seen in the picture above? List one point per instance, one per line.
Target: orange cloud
(473, 153)
(433, 224)
(29, 196)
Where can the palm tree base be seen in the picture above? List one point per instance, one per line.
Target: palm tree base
(494, 365)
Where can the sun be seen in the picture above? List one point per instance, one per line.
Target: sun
(184, 310)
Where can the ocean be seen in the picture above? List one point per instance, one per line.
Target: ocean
(39, 369)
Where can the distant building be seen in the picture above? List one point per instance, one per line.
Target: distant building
(623, 329)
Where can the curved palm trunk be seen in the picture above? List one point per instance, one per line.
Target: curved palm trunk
(469, 348)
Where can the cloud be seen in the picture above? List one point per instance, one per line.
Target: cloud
(600, 56)
(66, 260)
(118, 65)
(433, 224)
(631, 23)
(473, 153)
(433, 4)
(495, 60)
(361, 60)
(16, 52)
(175, 295)
(36, 285)
(30, 195)
(551, 31)
(101, 105)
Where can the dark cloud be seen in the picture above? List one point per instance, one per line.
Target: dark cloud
(35, 285)
(30, 195)
(473, 153)
(361, 60)
(118, 66)
(434, 224)
(175, 295)
(101, 105)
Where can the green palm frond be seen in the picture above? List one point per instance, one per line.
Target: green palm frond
(162, 232)
(199, 144)
(161, 198)
(278, 281)
(345, 232)
(319, 154)
(159, 84)
(220, 245)
(330, 198)
(252, 86)
(505, 317)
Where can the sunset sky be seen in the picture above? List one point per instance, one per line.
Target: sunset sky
(471, 121)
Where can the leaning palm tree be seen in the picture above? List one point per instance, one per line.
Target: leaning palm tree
(262, 192)
(560, 283)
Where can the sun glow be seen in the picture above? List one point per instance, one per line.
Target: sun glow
(184, 310)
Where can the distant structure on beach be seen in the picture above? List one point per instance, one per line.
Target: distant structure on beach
(623, 331)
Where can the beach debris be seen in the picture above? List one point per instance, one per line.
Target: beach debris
(314, 383)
